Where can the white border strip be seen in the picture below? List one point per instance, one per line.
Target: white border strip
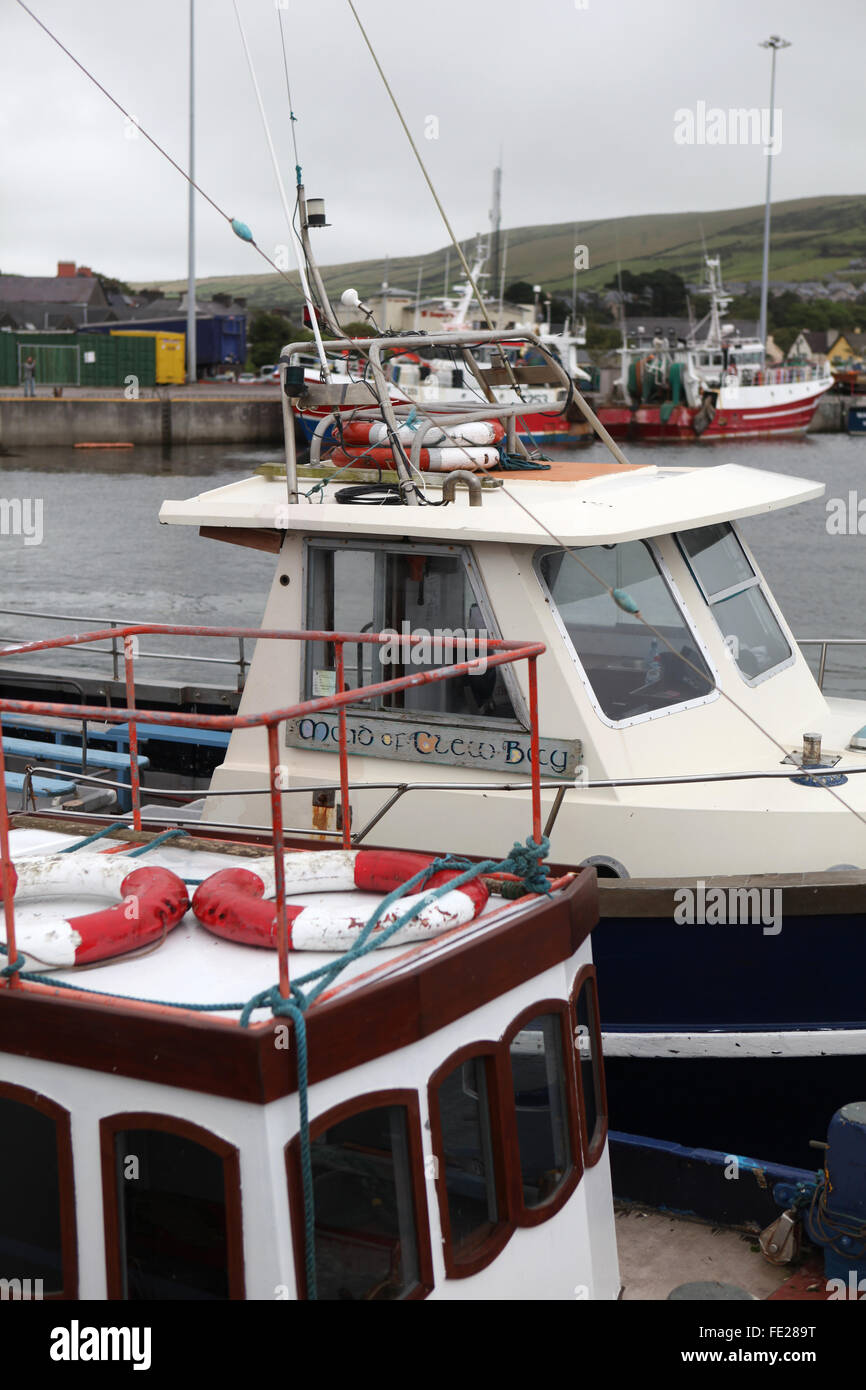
(793, 1042)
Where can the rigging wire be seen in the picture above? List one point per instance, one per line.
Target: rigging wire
(299, 254)
(458, 248)
(244, 234)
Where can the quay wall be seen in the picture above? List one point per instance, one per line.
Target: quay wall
(47, 421)
(831, 415)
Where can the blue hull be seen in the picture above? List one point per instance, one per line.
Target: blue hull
(719, 987)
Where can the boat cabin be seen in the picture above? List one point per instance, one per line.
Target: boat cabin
(664, 731)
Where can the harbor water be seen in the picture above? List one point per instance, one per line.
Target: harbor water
(95, 548)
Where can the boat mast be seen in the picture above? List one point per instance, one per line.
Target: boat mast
(191, 345)
(774, 42)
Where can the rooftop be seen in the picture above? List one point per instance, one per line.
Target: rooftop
(580, 503)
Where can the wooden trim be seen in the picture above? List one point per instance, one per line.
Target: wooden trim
(482, 1253)
(65, 1182)
(214, 1056)
(253, 537)
(371, 1100)
(533, 1216)
(184, 1129)
(593, 1143)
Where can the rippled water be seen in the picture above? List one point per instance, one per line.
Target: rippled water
(104, 554)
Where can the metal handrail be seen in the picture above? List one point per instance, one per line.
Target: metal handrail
(825, 643)
(500, 652)
(240, 661)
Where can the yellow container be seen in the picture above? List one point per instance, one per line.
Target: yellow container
(170, 353)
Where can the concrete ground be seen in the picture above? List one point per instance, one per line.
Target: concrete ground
(657, 1252)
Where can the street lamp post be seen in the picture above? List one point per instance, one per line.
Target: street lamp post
(774, 43)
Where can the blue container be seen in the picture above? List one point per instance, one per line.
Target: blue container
(857, 419)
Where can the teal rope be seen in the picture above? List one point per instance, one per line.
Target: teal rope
(160, 840)
(512, 463)
(79, 844)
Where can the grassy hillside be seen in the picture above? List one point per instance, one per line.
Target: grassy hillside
(810, 238)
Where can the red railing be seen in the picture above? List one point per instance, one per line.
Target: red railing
(498, 652)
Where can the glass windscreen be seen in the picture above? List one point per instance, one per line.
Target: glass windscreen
(631, 672)
(733, 591)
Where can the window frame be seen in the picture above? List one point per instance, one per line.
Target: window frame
(370, 1100)
(593, 1144)
(535, 1216)
(471, 572)
(109, 1127)
(711, 599)
(61, 1117)
(679, 603)
(485, 1251)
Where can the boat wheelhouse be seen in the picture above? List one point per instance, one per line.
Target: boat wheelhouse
(425, 1121)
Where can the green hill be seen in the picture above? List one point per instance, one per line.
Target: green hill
(811, 237)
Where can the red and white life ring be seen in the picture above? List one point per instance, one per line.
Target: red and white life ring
(430, 460)
(377, 432)
(152, 901)
(235, 903)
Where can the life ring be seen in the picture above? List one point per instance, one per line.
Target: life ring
(235, 903)
(434, 460)
(153, 900)
(478, 432)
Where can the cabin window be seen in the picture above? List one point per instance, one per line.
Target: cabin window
(37, 1222)
(172, 1195)
(736, 599)
(403, 591)
(467, 1139)
(590, 1072)
(631, 673)
(540, 1084)
(367, 1204)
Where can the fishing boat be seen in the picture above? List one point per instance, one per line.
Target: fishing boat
(690, 754)
(391, 1089)
(712, 384)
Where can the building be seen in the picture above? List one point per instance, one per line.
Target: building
(73, 298)
(811, 345)
(396, 310)
(847, 347)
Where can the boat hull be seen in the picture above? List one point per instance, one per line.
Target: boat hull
(731, 1037)
(738, 418)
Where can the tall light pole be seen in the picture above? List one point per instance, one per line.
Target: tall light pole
(774, 43)
(191, 362)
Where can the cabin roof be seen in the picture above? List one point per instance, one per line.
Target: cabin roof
(577, 503)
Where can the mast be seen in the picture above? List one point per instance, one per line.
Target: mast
(191, 345)
(495, 222)
(774, 42)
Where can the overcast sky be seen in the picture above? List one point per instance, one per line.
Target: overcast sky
(580, 96)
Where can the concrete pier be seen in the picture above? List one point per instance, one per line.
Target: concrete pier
(831, 417)
(179, 416)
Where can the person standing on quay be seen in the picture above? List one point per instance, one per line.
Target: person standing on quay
(29, 376)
